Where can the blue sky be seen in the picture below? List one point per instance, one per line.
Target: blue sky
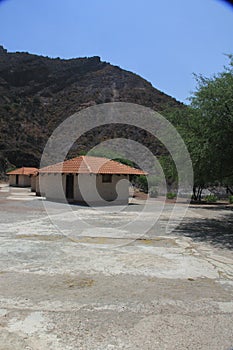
(164, 41)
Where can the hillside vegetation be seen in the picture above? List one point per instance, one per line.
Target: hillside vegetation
(37, 93)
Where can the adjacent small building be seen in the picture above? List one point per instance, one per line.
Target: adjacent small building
(93, 180)
(21, 177)
(35, 183)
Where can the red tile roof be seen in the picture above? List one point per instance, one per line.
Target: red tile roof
(23, 171)
(91, 165)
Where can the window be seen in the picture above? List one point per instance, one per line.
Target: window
(106, 178)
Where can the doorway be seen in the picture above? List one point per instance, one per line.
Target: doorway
(70, 186)
(17, 179)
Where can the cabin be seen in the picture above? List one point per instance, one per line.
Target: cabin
(89, 180)
(21, 177)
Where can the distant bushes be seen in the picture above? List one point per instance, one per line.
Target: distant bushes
(230, 199)
(141, 183)
(171, 195)
(147, 183)
(153, 192)
(211, 198)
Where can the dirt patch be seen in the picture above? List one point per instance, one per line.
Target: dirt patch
(70, 282)
(157, 242)
(41, 237)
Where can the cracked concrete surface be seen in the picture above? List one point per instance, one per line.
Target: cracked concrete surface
(109, 289)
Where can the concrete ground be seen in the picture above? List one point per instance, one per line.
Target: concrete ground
(93, 279)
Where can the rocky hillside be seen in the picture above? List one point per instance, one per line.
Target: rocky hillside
(37, 93)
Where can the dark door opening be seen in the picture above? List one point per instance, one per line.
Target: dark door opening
(70, 186)
(17, 179)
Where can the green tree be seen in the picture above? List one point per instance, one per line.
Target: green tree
(213, 105)
(207, 128)
(188, 123)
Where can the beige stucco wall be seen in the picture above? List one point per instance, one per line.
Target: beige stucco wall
(85, 186)
(49, 185)
(24, 181)
(12, 180)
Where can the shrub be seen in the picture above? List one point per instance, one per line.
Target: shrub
(230, 199)
(153, 192)
(211, 198)
(171, 195)
(141, 183)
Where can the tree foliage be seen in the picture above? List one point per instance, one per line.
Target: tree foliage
(213, 101)
(207, 129)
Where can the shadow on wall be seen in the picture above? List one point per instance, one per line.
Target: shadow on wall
(218, 232)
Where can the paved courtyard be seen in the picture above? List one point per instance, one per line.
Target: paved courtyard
(85, 278)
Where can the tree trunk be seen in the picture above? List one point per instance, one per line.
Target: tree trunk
(197, 192)
(229, 190)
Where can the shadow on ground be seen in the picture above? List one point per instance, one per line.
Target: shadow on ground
(218, 232)
(213, 206)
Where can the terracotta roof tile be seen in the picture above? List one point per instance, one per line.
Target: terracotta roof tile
(23, 171)
(91, 165)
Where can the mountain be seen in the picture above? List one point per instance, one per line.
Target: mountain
(37, 93)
